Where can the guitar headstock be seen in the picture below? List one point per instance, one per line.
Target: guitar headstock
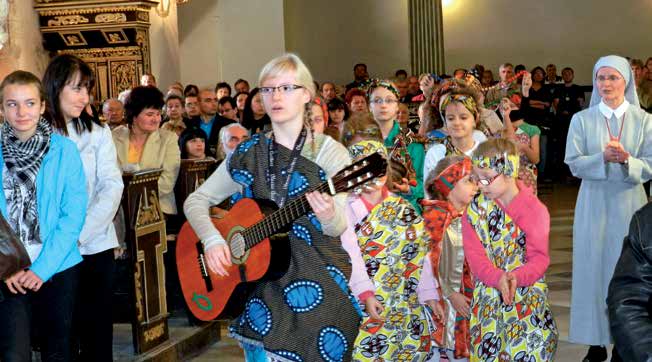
(359, 173)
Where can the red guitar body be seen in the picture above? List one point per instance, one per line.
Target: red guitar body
(210, 296)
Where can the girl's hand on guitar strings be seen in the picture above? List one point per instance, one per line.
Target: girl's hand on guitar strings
(218, 258)
(322, 205)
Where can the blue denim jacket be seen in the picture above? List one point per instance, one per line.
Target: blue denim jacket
(61, 199)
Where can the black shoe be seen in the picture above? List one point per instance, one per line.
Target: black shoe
(615, 357)
(596, 354)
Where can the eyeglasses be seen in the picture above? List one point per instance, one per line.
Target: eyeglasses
(484, 182)
(283, 89)
(611, 78)
(380, 101)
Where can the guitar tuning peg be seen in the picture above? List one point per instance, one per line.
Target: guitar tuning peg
(378, 182)
(357, 190)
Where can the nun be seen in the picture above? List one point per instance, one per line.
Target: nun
(609, 147)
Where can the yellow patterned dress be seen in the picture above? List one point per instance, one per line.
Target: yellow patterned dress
(394, 245)
(524, 331)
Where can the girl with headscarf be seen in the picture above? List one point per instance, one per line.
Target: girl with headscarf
(608, 148)
(450, 189)
(391, 271)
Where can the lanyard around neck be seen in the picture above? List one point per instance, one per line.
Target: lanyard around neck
(620, 132)
(287, 173)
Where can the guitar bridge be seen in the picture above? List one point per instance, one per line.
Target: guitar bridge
(202, 267)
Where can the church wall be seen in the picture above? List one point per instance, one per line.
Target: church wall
(164, 47)
(566, 33)
(228, 39)
(23, 49)
(332, 36)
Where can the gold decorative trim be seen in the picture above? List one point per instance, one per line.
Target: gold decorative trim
(105, 53)
(143, 15)
(154, 332)
(115, 36)
(68, 20)
(89, 10)
(138, 287)
(73, 38)
(111, 18)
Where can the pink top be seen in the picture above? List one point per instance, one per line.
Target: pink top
(360, 283)
(531, 216)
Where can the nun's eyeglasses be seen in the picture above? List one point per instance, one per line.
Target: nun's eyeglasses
(611, 78)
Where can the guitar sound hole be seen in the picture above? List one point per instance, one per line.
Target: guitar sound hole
(237, 246)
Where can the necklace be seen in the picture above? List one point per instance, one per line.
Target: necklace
(620, 132)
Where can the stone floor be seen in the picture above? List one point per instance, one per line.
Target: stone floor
(561, 202)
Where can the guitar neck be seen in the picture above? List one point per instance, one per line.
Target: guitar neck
(280, 218)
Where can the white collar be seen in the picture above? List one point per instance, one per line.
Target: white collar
(608, 112)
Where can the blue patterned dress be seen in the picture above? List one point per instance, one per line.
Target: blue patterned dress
(308, 314)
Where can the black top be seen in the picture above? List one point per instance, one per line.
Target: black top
(569, 99)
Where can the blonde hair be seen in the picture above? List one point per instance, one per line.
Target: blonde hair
(495, 146)
(284, 64)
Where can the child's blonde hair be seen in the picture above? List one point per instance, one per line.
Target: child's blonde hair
(496, 146)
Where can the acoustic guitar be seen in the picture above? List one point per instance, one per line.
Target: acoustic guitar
(257, 234)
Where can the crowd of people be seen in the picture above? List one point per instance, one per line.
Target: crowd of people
(443, 258)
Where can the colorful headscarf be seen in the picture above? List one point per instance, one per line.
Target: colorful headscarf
(502, 163)
(466, 100)
(446, 180)
(366, 148)
(375, 83)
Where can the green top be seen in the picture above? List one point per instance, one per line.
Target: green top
(529, 129)
(417, 154)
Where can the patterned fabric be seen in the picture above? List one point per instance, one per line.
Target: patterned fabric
(503, 163)
(308, 314)
(366, 148)
(394, 244)
(525, 330)
(375, 83)
(438, 216)
(22, 163)
(466, 100)
(446, 180)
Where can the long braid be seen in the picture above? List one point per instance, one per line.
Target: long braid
(307, 114)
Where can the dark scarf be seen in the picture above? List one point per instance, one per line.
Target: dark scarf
(23, 161)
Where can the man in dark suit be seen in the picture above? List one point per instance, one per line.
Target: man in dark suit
(208, 119)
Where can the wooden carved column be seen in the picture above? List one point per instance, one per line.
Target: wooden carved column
(112, 36)
(192, 173)
(146, 243)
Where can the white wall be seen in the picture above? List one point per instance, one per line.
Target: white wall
(228, 39)
(164, 47)
(332, 36)
(567, 33)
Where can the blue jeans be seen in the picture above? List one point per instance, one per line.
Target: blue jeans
(46, 315)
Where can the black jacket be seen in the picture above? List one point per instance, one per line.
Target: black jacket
(214, 137)
(630, 291)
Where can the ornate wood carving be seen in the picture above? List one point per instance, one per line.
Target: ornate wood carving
(110, 35)
(146, 243)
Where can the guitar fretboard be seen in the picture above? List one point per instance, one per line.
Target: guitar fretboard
(279, 219)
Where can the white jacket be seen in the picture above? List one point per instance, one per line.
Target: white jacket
(104, 186)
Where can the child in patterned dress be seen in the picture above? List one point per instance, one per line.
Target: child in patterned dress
(391, 273)
(449, 189)
(505, 231)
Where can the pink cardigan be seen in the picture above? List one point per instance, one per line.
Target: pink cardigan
(532, 217)
(360, 283)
